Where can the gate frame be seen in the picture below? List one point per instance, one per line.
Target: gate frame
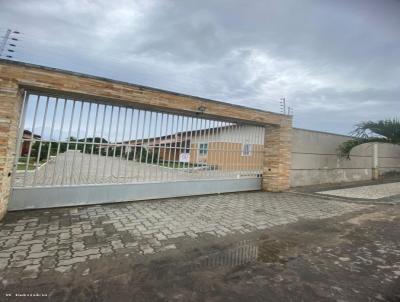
(16, 77)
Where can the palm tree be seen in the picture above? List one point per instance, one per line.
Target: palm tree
(385, 131)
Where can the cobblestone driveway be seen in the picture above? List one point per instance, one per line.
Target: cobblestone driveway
(38, 241)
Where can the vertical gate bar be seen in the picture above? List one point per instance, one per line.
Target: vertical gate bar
(223, 143)
(141, 145)
(40, 142)
(212, 141)
(201, 141)
(170, 145)
(93, 142)
(205, 156)
(178, 134)
(258, 153)
(175, 170)
(235, 135)
(228, 149)
(76, 144)
(129, 146)
(238, 135)
(213, 149)
(205, 163)
(31, 140)
(224, 148)
(51, 139)
(175, 133)
(181, 131)
(115, 145)
(84, 143)
(20, 139)
(186, 131)
(195, 146)
(159, 146)
(135, 147)
(100, 143)
(146, 169)
(253, 151)
(240, 139)
(122, 146)
(233, 151)
(154, 171)
(208, 129)
(218, 147)
(104, 179)
(220, 155)
(261, 153)
(236, 141)
(68, 140)
(59, 142)
(165, 147)
(190, 145)
(248, 160)
(145, 174)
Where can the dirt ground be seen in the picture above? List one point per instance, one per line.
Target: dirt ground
(354, 257)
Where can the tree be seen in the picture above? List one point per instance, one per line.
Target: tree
(385, 131)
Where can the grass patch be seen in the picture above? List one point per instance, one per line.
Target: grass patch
(31, 165)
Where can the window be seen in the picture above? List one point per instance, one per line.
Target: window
(203, 149)
(246, 149)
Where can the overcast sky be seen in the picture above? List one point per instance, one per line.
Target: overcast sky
(336, 62)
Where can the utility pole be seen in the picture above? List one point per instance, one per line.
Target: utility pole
(9, 47)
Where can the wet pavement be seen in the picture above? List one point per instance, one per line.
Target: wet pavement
(351, 256)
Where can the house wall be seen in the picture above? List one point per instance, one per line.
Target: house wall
(240, 134)
(315, 160)
(228, 156)
(169, 154)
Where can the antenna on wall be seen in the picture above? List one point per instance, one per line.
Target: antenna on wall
(8, 43)
(283, 105)
(285, 109)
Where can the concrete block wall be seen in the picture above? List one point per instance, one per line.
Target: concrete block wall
(315, 160)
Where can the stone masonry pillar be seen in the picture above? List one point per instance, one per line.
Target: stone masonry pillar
(277, 156)
(10, 108)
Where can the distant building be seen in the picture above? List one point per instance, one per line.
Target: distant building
(221, 147)
(27, 137)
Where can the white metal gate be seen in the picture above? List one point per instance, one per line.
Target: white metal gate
(74, 151)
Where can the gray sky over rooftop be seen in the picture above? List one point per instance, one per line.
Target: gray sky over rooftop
(336, 62)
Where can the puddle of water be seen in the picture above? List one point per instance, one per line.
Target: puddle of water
(245, 252)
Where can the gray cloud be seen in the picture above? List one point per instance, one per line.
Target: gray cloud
(336, 62)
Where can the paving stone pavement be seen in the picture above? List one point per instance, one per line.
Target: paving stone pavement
(367, 192)
(33, 242)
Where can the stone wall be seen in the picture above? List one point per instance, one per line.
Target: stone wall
(10, 108)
